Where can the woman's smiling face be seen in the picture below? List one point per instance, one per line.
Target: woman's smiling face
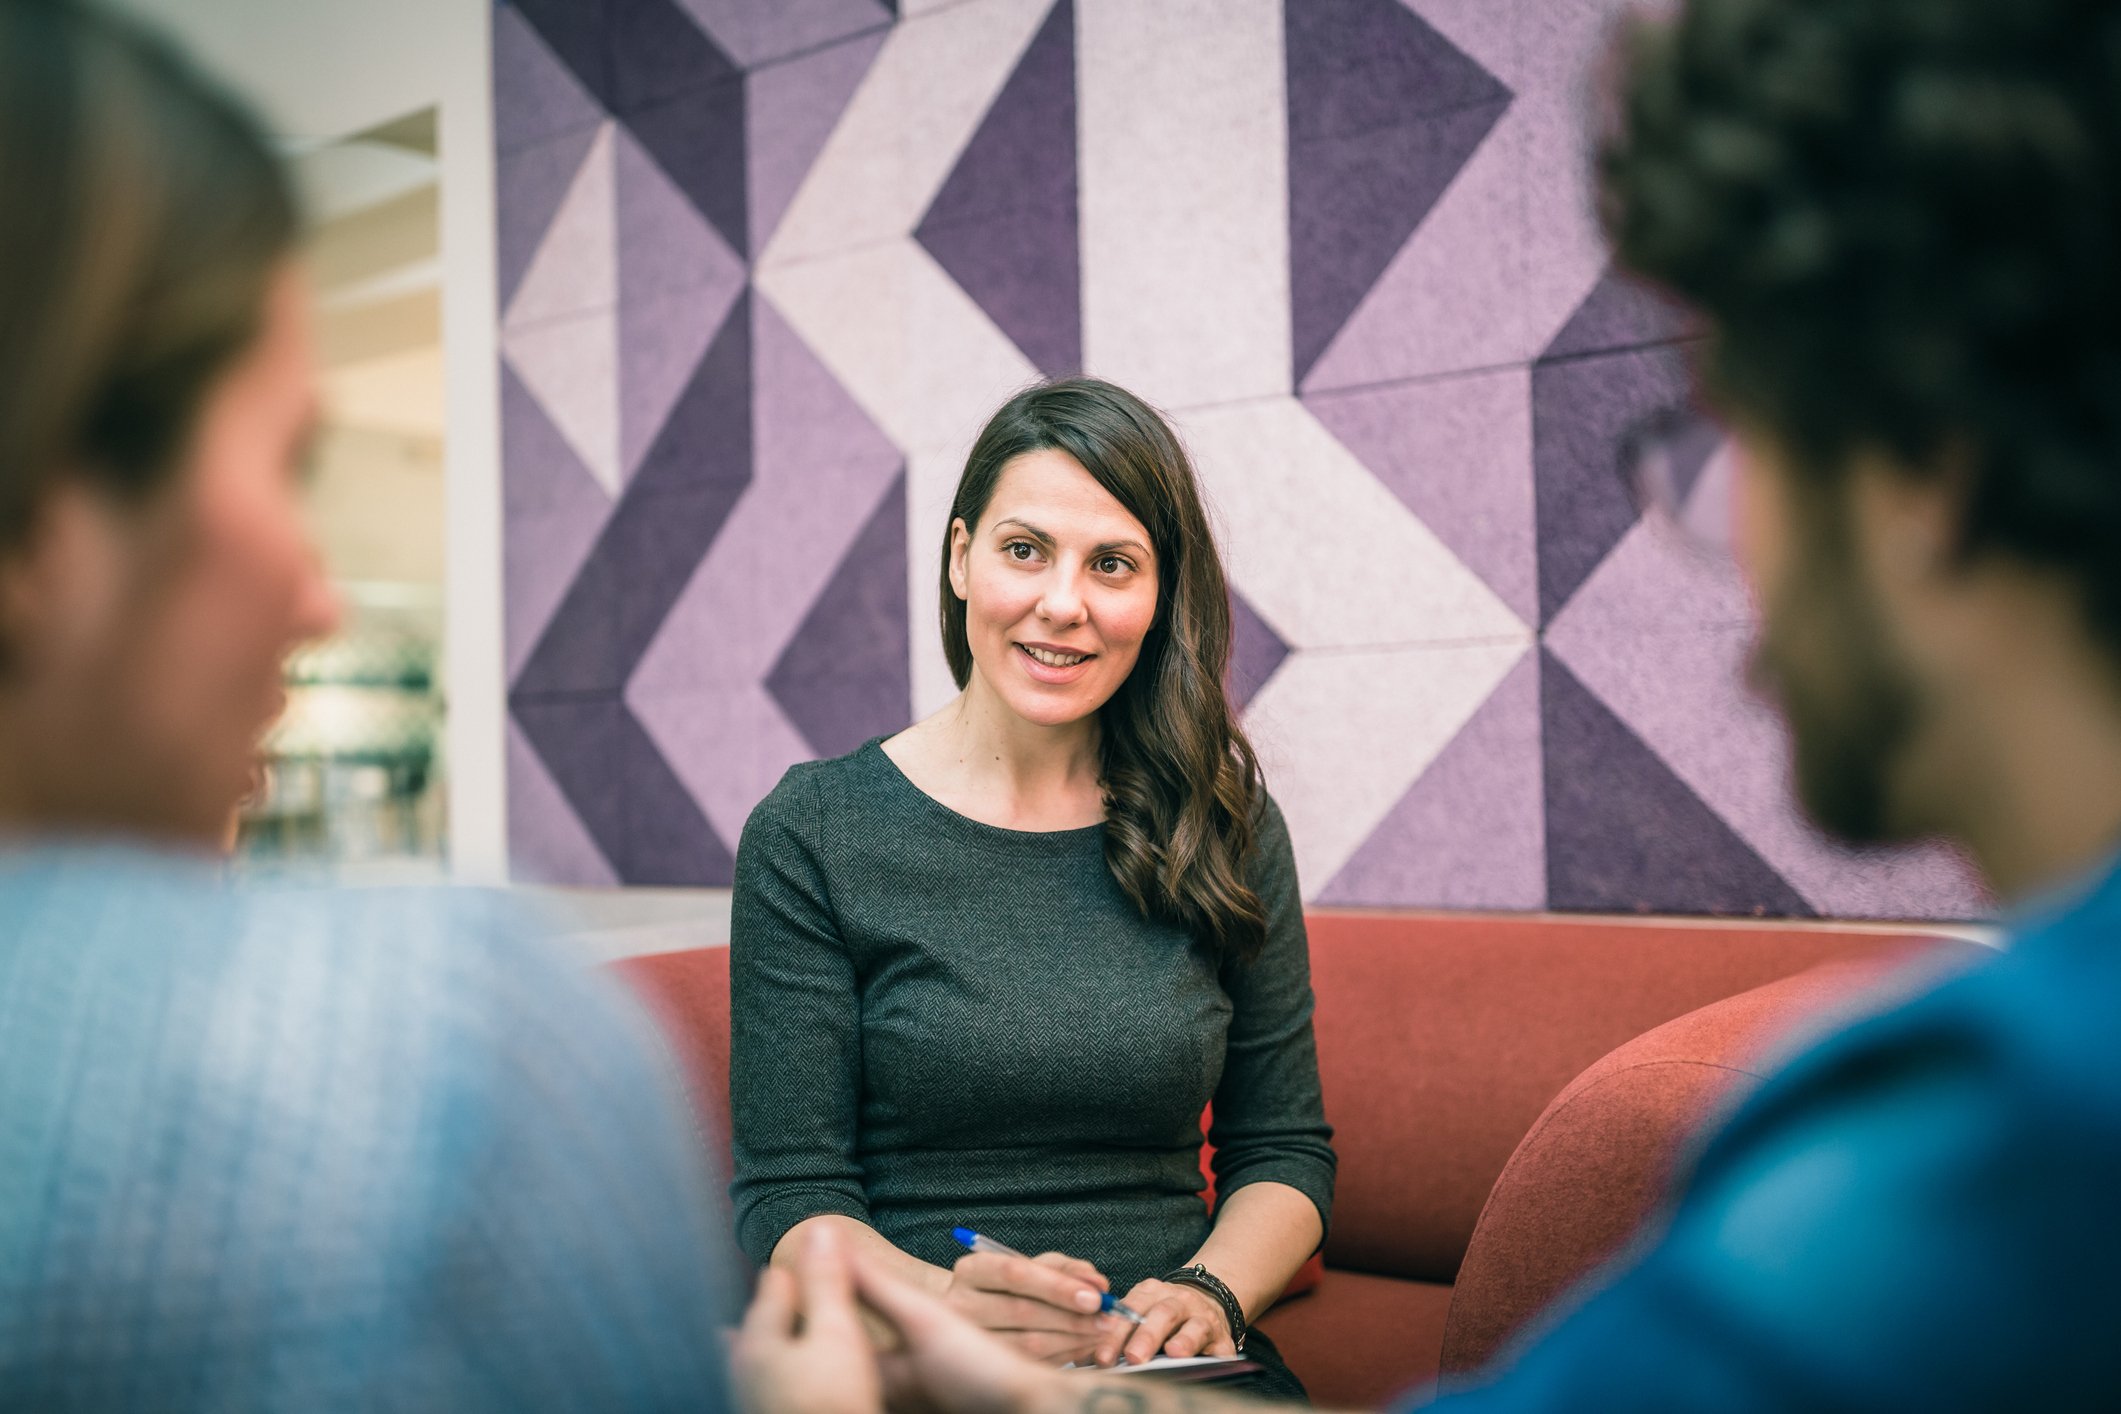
(1059, 584)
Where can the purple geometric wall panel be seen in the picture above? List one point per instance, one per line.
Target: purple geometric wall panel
(547, 842)
(668, 517)
(1383, 112)
(676, 282)
(1584, 407)
(534, 96)
(568, 697)
(529, 185)
(1620, 313)
(551, 511)
(577, 32)
(736, 243)
(759, 36)
(844, 677)
(1004, 223)
(651, 65)
(1625, 835)
(1458, 453)
(638, 813)
(1256, 650)
(790, 109)
(698, 137)
(1470, 832)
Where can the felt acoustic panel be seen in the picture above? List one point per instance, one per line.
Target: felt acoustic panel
(767, 265)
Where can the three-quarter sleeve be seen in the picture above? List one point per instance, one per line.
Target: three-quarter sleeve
(1269, 1123)
(794, 1037)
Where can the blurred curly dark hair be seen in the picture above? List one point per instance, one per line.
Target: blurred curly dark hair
(1903, 221)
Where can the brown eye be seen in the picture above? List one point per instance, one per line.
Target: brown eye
(1014, 546)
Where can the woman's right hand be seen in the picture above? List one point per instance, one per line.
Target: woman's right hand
(1045, 1306)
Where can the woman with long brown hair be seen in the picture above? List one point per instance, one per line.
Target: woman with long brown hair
(988, 972)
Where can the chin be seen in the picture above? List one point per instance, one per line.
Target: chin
(1052, 711)
(1044, 707)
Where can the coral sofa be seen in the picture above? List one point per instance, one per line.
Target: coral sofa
(1509, 1097)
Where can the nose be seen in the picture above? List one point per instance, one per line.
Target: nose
(1061, 603)
(319, 607)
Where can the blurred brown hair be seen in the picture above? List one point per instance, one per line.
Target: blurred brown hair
(1182, 787)
(144, 215)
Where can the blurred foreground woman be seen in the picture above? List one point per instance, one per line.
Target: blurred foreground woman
(256, 1152)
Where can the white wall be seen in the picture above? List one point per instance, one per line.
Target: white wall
(323, 69)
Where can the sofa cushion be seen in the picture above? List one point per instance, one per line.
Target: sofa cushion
(1441, 1039)
(688, 994)
(1359, 1339)
(1604, 1154)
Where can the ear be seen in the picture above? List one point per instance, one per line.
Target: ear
(1909, 523)
(61, 586)
(960, 551)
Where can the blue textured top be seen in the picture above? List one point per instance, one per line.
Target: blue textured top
(1923, 1212)
(331, 1150)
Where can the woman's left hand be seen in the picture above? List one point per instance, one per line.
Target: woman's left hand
(1177, 1320)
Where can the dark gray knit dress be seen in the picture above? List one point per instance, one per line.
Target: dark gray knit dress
(939, 1023)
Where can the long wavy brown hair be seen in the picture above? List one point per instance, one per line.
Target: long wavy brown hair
(1181, 783)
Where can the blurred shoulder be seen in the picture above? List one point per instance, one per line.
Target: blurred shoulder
(161, 962)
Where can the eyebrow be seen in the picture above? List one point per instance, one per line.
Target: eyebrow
(1046, 539)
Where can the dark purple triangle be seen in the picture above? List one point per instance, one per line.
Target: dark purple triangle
(1583, 410)
(577, 31)
(659, 52)
(1625, 835)
(1619, 313)
(846, 675)
(535, 96)
(642, 818)
(1004, 225)
(630, 53)
(697, 138)
(1383, 113)
(1256, 650)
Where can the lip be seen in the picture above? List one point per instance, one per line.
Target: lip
(1039, 672)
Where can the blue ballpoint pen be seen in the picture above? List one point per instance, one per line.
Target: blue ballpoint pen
(977, 1242)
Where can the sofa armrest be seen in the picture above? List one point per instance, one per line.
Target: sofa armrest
(1605, 1153)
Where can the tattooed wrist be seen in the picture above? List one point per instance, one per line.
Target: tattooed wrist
(1115, 1401)
(1116, 1398)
